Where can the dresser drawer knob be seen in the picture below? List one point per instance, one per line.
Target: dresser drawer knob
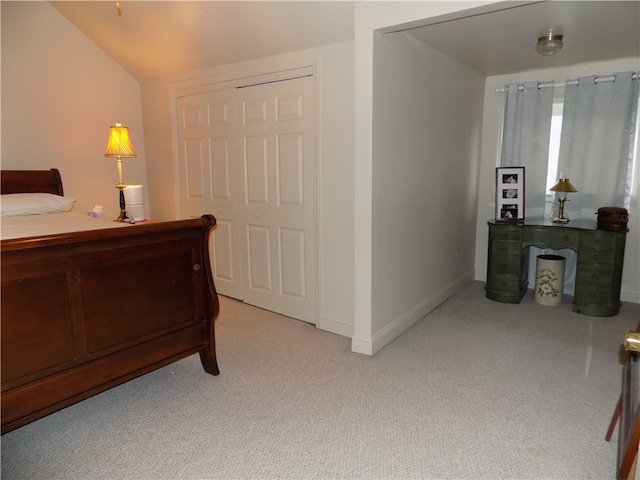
(594, 277)
(595, 257)
(503, 284)
(592, 295)
(566, 238)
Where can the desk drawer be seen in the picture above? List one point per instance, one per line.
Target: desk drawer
(505, 283)
(506, 248)
(555, 238)
(596, 276)
(598, 240)
(505, 263)
(590, 256)
(506, 233)
(592, 297)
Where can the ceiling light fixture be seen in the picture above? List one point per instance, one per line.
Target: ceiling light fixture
(118, 9)
(550, 44)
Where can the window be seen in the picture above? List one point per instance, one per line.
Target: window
(554, 144)
(554, 152)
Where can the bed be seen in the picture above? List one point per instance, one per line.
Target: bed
(85, 311)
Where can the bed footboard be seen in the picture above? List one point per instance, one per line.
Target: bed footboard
(87, 311)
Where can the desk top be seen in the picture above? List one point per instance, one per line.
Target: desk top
(579, 224)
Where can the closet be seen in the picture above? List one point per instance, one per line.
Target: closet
(246, 154)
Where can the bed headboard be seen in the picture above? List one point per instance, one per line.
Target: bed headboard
(31, 181)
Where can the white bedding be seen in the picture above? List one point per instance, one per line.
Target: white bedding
(51, 223)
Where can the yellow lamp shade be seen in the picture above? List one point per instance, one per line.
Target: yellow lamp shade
(119, 145)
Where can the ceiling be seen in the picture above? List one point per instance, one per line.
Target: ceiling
(153, 39)
(503, 42)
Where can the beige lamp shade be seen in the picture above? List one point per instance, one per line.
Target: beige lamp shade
(119, 145)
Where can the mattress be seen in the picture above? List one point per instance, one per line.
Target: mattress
(51, 224)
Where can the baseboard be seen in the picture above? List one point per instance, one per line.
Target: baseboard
(631, 296)
(481, 274)
(339, 327)
(403, 323)
(362, 345)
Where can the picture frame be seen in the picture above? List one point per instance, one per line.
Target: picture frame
(510, 194)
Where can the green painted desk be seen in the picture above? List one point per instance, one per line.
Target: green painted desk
(598, 270)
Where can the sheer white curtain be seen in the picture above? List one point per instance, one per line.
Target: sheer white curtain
(525, 141)
(596, 147)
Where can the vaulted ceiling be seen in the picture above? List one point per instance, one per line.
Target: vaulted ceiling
(152, 39)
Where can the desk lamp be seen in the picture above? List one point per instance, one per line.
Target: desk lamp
(120, 147)
(562, 187)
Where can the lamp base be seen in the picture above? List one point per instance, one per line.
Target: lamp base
(561, 218)
(123, 217)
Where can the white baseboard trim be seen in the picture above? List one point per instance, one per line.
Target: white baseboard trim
(628, 295)
(481, 274)
(369, 346)
(333, 325)
(362, 345)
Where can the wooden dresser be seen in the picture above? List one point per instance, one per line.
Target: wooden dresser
(599, 261)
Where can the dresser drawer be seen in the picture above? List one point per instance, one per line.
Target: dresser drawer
(556, 238)
(506, 233)
(506, 248)
(505, 263)
(595, 276)
(592, 297)
(598, 240)
(504, 282)
(590, 256)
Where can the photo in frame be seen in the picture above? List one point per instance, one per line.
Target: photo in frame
(510, 194)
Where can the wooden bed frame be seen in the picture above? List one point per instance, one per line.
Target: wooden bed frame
(86, 311)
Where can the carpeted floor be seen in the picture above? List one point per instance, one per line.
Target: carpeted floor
(475, 390)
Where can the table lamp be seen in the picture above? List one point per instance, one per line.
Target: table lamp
(120, 147)
(562, 187)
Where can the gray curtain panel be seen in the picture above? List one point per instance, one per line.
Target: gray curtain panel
(596, 147)
(525, 141)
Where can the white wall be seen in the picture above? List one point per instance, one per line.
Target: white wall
(371, 16)
(334, 106)
(426, 115)
(60, 94)
(493, 105)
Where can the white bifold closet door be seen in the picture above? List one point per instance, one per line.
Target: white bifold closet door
(247, 155)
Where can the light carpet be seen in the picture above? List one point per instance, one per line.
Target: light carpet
(475, 390)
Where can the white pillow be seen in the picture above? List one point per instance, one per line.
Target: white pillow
(18, 204)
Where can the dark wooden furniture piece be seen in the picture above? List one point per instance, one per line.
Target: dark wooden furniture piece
(598, 270)
(627, 411)
(83, 312)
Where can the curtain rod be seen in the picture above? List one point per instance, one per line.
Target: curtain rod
(608, 78)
